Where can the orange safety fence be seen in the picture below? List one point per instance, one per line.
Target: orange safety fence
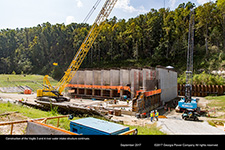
(139, 91)
(149, 93)
(127, 88)
(54, 128)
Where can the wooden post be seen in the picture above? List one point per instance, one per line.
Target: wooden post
(57, 122)
(11, 129)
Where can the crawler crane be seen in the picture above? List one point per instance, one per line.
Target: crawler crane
(54, 94)
(189, 104)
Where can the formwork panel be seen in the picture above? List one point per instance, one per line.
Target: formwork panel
(124, 77)
(88, 77)
(134, 79)
(81, 77)
(114, 77)
(105, 77)
(96, 77)
(167, 83)
(74, 79)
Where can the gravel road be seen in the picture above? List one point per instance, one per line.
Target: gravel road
(174, 124)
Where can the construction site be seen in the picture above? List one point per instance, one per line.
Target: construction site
(114, 96)
(111, 101)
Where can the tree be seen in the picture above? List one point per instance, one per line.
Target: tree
(221, 14)
(205, 16)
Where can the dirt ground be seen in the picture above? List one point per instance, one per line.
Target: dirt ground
(18, 129)
(174, 124)
(13, 96)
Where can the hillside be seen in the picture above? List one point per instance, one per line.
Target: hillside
(33, 81)
(158, 37)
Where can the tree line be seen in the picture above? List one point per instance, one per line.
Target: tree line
(159, 37)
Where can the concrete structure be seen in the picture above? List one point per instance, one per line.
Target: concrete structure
(110, 83)
(167, 82)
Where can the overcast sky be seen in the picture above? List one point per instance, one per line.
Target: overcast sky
(29, 13)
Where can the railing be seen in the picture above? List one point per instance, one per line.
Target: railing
(25, 121)
(100, 87)
(42, 122)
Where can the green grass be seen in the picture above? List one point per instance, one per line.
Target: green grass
(150, 129)
(33, 113)
(33, 81)
(217, 101)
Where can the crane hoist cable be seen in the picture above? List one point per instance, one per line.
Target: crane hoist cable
(91, 11)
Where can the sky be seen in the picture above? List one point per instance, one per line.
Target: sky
(29, 13)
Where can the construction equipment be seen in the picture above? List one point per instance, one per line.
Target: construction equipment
(187, 103)
(190, 114)
(54, 94)
(93, 126)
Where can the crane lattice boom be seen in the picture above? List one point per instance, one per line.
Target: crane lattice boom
(48, 90)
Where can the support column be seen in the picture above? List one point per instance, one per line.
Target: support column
(77, 90)
(93, 92)
(111, 93)
(101, 92)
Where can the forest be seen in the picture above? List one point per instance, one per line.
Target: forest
(159, 37)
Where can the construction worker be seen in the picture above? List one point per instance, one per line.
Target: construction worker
(114, 100)
(151, 115)
(156, 115)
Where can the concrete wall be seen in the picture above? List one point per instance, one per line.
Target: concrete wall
(114, 77)
(124, 77)
(137, 79)
(88, 77)
(81, 77)
(134, 79)
(146, 76)
(96, 77)
(105, 77)
(167, 81)
(74, 79)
